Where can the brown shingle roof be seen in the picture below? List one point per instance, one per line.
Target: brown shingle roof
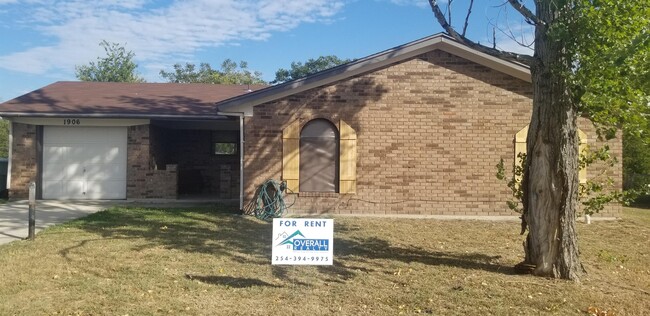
(123, 99)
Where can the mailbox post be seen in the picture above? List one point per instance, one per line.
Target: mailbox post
(32, 211)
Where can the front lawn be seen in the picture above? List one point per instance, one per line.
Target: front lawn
(208, 262)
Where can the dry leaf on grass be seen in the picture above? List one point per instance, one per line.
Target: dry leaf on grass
(595, 311)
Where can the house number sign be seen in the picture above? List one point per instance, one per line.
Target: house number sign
(71, 121)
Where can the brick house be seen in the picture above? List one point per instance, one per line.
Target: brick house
(414, 130)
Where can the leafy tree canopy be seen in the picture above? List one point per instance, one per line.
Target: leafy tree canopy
(117, 66)
(230, 73)
(299, 70)
(612, 78)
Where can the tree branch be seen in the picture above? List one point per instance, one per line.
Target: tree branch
(510, 34)
(449, 10)
(469, 11)
(525, 59)
(531, 18)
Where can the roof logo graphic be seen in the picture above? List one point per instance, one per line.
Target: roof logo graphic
(289, 241)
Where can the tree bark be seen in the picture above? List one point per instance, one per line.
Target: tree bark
(550, 182)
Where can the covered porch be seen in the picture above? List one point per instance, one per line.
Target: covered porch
(204, 153)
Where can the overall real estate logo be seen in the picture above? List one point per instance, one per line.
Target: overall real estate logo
(302, 241)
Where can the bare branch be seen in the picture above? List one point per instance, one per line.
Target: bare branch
(531, 18)
(469, 11)
(508, 31)
(528, 60)
(449, 10)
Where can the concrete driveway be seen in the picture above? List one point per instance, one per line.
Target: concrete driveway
(14, 215)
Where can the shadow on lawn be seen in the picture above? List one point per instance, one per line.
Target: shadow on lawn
(230, 281)
(210, 231)
(367, 249)
(248, 241)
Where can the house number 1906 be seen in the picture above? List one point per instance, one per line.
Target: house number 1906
(71, 122)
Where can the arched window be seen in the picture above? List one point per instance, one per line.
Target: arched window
(346, 162)
(319, 157)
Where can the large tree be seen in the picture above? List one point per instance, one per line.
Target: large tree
(117, 66)
(562, 70)
(229, 73)
(299, 70)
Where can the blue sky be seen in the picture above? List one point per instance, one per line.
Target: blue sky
(41, 41)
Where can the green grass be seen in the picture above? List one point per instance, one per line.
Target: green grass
(208, 262)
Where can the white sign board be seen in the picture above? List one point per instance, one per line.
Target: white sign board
(303, 241)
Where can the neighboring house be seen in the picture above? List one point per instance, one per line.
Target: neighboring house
(417, 129)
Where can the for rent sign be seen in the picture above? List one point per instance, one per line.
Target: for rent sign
(303, 241)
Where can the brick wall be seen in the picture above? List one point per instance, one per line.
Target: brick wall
(23, 162)
(143, 180)
(430, 131)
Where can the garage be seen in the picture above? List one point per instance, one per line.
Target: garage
(84, 162)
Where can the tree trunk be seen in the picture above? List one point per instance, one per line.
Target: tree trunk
(551, 178)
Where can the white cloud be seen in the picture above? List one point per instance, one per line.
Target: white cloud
(514, 46)
(157, 34)
(511, 30)
(516, 37)
(417, 3)
(519, 45)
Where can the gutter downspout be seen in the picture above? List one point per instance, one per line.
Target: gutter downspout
(241, 156)
(10, 153)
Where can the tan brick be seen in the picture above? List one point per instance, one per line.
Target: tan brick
(430, 132)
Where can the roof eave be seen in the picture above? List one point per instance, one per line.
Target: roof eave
(111, 115)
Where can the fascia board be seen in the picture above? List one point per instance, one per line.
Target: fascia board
(513, 69)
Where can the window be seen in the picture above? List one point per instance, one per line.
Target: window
(319, 152)
(224, 148)
(224, 143)
(319, 157)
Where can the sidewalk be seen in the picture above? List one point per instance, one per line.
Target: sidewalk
(14, 215)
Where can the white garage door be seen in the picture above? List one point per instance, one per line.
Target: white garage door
(84, 162)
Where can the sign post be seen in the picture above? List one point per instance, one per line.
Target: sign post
(303, 241)
(32, 211)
